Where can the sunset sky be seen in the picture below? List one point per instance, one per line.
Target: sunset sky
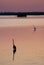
(21, 5)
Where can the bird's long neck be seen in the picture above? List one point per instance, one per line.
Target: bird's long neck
(13, 41)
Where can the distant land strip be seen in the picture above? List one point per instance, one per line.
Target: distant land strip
(20, 14)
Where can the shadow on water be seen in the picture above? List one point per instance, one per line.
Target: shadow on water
(14, 49)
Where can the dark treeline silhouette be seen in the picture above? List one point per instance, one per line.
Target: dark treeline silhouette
(21, 14)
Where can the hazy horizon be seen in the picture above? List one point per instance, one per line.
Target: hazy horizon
(12, 21)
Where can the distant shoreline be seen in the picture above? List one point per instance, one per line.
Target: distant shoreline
(20, 14)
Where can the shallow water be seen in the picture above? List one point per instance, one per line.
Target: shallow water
(29, 43)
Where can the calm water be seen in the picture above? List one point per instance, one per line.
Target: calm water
(30, 44)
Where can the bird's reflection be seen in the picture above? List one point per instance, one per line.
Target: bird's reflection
(14, 49)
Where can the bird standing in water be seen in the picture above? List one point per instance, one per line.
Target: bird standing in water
(14, 49)
(34, 28)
